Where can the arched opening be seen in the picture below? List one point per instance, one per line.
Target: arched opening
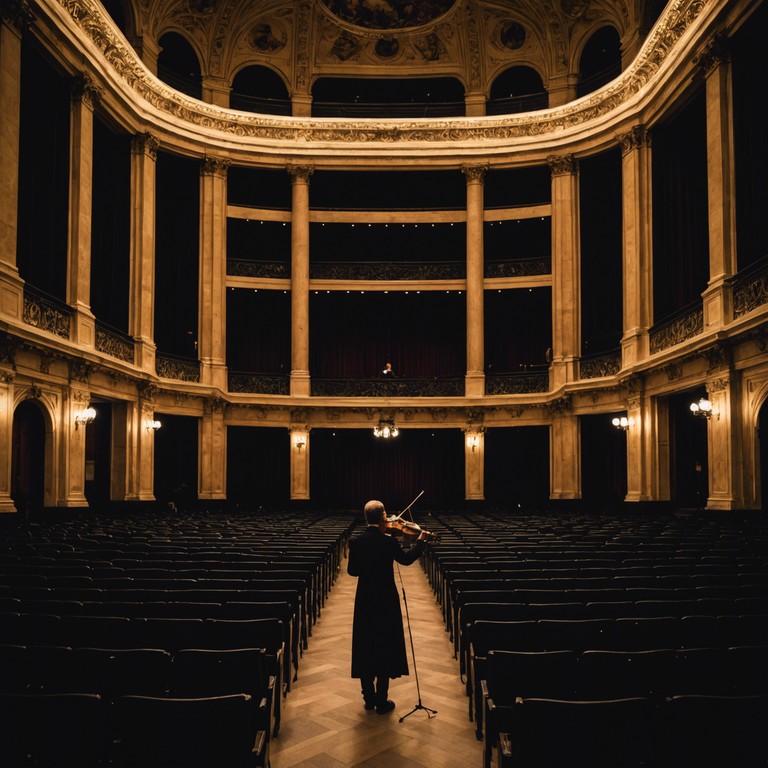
(178, 65)
(28, 458)
(600, 61)
(259, 89)
(762, 436)
(408, 97)
(517, 89)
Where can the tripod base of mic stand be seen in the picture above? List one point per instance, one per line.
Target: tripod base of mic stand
(430, 712)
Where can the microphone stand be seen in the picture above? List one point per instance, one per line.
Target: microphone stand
(419, 705)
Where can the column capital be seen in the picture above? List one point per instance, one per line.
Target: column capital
(300, 173)
(635, 138)
(145, 144)
(85, 90)
(16, 14)
(562, 165)
(214, 166)
(474, 174)
(716, 52)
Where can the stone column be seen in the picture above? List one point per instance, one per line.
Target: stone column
(213, 272)
(132, 440)
(721, 186)
(637, 244)
(216, 91)
(141, 306)
(6, 439)
(475, 377)
(727, 483)
(212, 483)
(299, 462)
(566, 270)
(84, 97)
(300, 382)
(474, 463)
(639, 444)
(71, 459)
(564, 451)
(14, 20)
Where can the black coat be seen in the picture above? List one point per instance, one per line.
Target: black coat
(378, 641)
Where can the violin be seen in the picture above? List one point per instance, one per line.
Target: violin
(407, 528)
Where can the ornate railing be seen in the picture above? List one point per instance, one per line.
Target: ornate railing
(750, 288)
(519, 267)
(604, 364)
(516, 383)
(245, 268)
(180, 368)
(683, 325)
(388, 270)
(448, 387)
(114, 343)
(46, 312)
(263, 383)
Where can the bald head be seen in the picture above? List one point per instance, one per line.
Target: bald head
(373, 511)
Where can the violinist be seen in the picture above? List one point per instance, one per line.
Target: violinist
(378, 641)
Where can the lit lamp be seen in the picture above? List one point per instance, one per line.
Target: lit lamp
(153, 425)
(473, 442)
(702, 408)
(85, 417)
(386, 428)
(299, 441)
(621, 422)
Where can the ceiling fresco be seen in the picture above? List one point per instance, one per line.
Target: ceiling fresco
(389, 14)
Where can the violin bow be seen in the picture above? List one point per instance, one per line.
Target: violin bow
(420, 494)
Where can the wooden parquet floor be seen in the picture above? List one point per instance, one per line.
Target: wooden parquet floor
(324, 724)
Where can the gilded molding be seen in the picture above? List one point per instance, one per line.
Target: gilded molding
(560, 406)
(214, 166)
(145, 144)
(88, 16)
(85, 90)
(718, 385)
(635, 138)
(300, 173)
(474, 174)
(562, 165)
(80, 371)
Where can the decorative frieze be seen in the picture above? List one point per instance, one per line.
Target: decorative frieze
(114, 344)
(680, 328)
(46, 314)
(176, 368)
(264, 384)
(516, 383)
(519, 267)
(388, 388)
(600, 366)
(750, 291)
(388, 270)
(262, 269)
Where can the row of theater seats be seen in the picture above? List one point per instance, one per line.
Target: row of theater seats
(667, 595)
(174, 639)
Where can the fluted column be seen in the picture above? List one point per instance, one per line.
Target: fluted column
(299, 462)
(566, 270)
(721, 185)
(141, 306)
(14, 19)
(637, 244)
(474, 463)
(212, 482)
(300, 383)
(213, 272)
(84, 98)
(475, 377)
(565, 451)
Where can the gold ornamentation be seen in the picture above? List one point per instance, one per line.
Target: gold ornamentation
(635, 138)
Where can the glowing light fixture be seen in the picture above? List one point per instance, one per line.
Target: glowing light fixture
(386, 428)
(702, 407)
(86, 416)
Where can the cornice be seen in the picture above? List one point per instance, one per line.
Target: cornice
(305, 134)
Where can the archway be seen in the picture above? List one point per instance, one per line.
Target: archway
(178, 65)
(762, 436)
(28, 458)
(517, 89)
(600, 60)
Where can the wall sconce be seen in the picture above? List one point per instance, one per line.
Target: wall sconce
(473, 442)
(153, 425)
(300, 442)
(622, 423)
(386, 428)
(702, 408)
(85, 417)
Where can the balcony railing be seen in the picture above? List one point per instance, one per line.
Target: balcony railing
(388, 109)
(519, 267)
(683, 325)
(750, 288)
(179, 368)
(46, 312)
(270, 269)
(114, 343)
(517, 383)
(437, 387)
(261, 383)
(598, 365)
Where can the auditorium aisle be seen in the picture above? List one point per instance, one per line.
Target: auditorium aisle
(324, 723)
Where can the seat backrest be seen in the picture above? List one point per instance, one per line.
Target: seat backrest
(204, 672)
(540, 674)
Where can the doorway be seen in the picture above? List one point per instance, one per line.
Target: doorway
(28, 458)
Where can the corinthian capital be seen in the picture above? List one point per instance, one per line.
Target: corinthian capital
(84, 89)
(562, 165)
(145, 144)
(214, 166)
(636, 137)
(300, 173)
(16, 14)
(474, 174)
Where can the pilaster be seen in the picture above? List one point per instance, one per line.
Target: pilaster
(6, 439)
(213, 272)
(212, 483)
(637, 243)
(85, 94)
(566, 269)
(474, 104)
(564, 451)
(475, 376)
(561, 89)
(474, 463)
(216, 91)
(639, 444)
(721, 185)
(141, 307)
(72, 445)
(299, 462)
(131, 426)
(300, 382)
(301, 105)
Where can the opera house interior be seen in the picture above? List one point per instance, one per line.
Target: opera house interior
(290, 256)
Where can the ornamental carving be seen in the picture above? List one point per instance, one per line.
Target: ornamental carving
(677, 19)
(114, 344)
(516, 383)
(8, 349)
(519, 267)
(560, 406)
(562, 165)
(474, 174)
(600, 366)
(680, 329)
(388, 270)
(244, 268)
(715, 53)
(86, 91)
(146, 390)
(636, 138)
(17, 14)
(214, 405)
(388, 388)
(717, 358)
(45, 314)
(266, 38)
(80, 371)
(388, 14)
(430, 47)
(717, 385)
(174, 368)
(264, 384)
(750, 292)
(214, 166)
(673, 371)
(145, 144)
(300, 173)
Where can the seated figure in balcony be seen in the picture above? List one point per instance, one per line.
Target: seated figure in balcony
(388, 371)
